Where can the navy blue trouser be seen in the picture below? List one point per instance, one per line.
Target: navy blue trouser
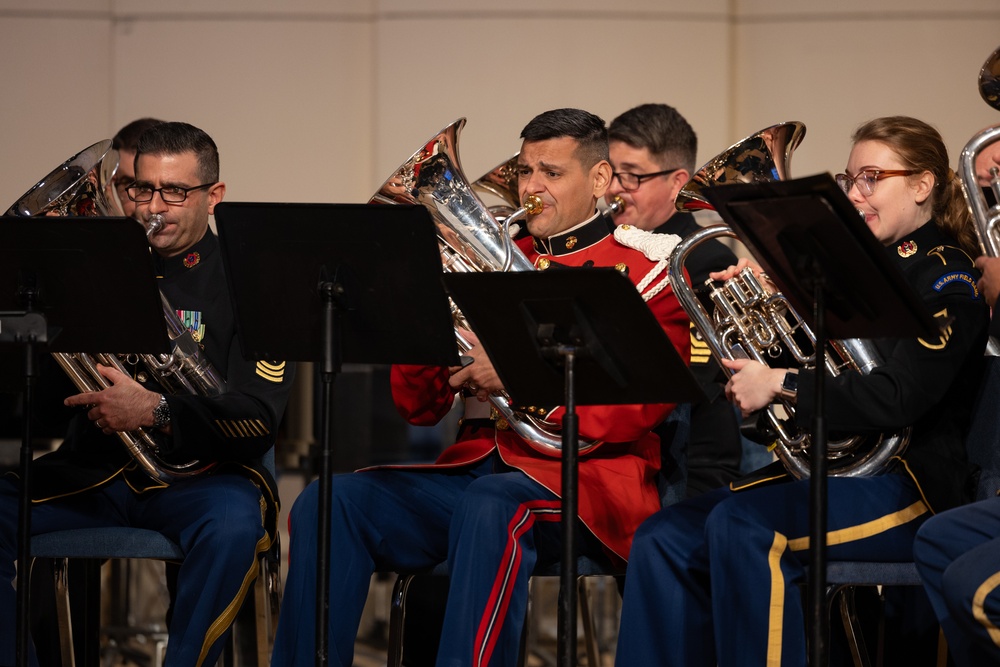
(491, 527)
(714, 580)
(216, 520)
(958, 556)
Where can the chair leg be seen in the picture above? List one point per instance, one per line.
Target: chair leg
(60, 572)
(267, 602)
(397, 617)
(852, 626)
(589, 627)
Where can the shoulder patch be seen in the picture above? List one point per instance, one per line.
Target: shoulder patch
(957, 277)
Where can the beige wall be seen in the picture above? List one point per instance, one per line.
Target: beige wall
(320, 101)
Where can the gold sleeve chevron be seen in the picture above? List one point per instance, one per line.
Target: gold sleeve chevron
(271, 371)
(242, 428)
(700, 352)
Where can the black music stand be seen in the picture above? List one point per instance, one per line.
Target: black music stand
(811, 241)
(61, 280)
(335, 283)
(569, 337)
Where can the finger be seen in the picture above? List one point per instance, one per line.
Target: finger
(736, 364)
(113, 375)
(87, 398)
(981, 262)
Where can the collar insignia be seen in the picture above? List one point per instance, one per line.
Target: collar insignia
(570, 242)
(191, 260)
(907, 249)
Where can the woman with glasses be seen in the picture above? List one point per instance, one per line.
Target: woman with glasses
(715, 579)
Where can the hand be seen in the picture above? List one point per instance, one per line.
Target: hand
(478, 376)
(989, 284)
(743, 262)
(753, 385)
(124, 406)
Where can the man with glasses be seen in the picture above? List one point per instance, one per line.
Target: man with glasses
(125, 143)
(653, 150)
(222, 519)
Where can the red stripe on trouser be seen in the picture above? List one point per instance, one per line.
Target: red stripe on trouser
(496, 607)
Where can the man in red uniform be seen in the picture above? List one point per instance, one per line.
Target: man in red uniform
(490, 504)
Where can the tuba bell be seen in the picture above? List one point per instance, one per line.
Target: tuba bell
(470, 239)
(749, 321)
(81, 186)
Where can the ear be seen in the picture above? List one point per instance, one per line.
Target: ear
(678, 180)
(215, 194)
(600, 173)
(923, 186)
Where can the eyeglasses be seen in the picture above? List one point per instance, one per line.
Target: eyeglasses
(631, 182)
(171, 194)
(867, 179)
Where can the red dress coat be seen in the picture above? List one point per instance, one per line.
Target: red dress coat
(617, 478)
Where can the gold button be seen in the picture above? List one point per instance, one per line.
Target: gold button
(621, 266)
(502, 425)
(543, 263)
(626, 227)
(570, 242)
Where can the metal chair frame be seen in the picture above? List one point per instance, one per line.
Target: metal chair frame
(94, 545)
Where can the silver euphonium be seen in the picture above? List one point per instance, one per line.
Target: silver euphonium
(470, 239)
(81, 186)
(749, 321)
(987, 219)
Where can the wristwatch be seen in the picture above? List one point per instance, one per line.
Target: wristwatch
(790, 386)
(161, 413)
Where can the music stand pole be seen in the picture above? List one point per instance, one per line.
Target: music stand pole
(330, 367)
(566, 627)
(24, 519)
(818, 501)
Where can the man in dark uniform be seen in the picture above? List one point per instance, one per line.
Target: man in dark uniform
(222, 518)
(653, 150)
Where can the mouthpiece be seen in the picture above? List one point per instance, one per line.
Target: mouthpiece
(616, 205)
(861, 213)
(153, 224)
(533, 204)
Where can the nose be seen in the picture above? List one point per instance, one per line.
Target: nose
(156, 204)
(854, 193)
(530, 185)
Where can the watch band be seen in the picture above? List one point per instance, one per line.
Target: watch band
(161, 413)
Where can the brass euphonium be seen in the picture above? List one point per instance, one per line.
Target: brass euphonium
(749, 321)
(987, 218)
(81, 186)
(470, 239)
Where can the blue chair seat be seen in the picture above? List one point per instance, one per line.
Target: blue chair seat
(105, 543)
